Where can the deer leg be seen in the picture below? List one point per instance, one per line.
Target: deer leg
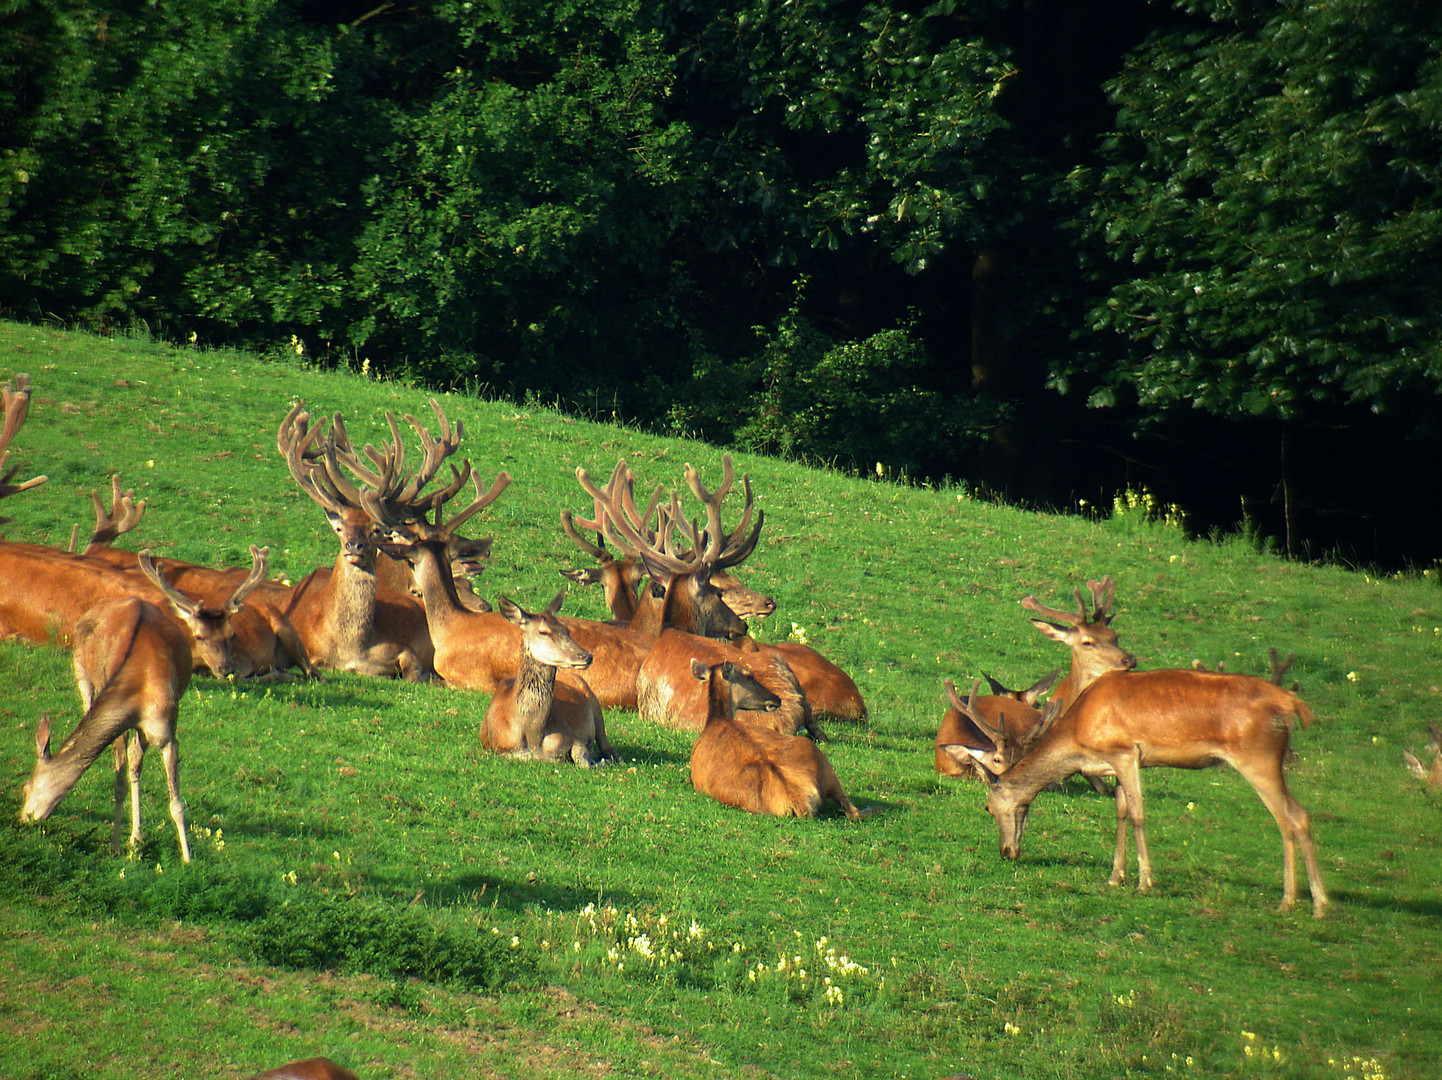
(135, 759)
(1119, 856)
(1295, 826)
(1129, 789)
(170, 754)
(829, 786)
(121, 786)
(603, 744)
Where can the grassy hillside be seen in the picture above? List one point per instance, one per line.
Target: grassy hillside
(617, 924)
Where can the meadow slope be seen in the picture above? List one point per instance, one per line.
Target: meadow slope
(640, 930)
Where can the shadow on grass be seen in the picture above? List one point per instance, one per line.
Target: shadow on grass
(514, 895)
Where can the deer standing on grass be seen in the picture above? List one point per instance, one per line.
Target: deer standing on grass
(692, 620)
(1126, 721)
(751, 767)
(1091, 639)
(132, 664)
(984, 736)
(538, 714)
(346, 621)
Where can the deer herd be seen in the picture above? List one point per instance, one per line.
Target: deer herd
(399, 601)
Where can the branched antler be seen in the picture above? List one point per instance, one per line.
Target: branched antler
(16, 399)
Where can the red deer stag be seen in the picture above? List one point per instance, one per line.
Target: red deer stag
(132, 664)
(263, 641)
(1127, 721)
(537, 714)
(45, 593)
(693, 620)
(473, 649)
(346, 621)
(984, 736)
(828, 689)
(1092, 641)
(750, 767)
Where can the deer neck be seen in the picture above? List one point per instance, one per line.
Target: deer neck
(55, 776)
(535, 691)
(1055, 757)
(432, 570)
(353, 593)
(720, 705)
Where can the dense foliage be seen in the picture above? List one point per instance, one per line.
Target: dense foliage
(885, 231)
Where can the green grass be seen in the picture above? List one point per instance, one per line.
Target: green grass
(366, 793)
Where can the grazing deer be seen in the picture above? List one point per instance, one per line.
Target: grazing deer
(536, 714)
(692, 619)
(318, 1068)
(751, 767)
(132, 664)
(1126, 721)
(345, 620)
(984, 736)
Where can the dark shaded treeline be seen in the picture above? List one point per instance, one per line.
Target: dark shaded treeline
(1052, 249)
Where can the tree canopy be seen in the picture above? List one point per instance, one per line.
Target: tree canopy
(957, 238)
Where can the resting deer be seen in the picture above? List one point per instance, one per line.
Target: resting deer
(45, 593)
(692, 620)
(1126, 721)
(537, 714)
(308, 1069)
(262, 638)
(346, 621)
(475, 650)
(16, 400)
(132, 664)
(828, 689)
(753, 768)
(984, 736)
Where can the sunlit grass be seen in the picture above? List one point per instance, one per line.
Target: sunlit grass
(648, 924)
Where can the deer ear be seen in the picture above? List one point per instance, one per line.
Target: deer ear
(965, 755)
(1051, 630)
(555, 605)
(42, 738)
(700, 670)
(511, 610)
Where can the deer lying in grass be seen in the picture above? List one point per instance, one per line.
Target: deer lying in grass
(132, 664)
(536, 714)
(828, 689)
(1126, 721)
(346, 621)
(308, 1069)
(692, 620)
(750, 767)
(984, 736)
(475, 650)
